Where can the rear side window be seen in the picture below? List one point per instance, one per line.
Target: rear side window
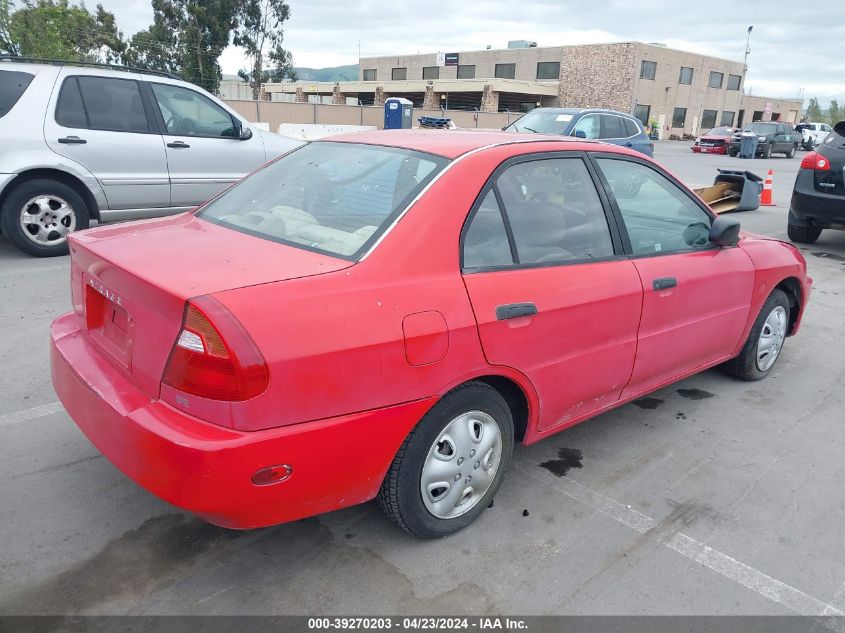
(612, 127)
(12, 86)
(102, 103)
(486, 240)
(631, 127)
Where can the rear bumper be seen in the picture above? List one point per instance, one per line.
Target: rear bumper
(811, 207)
(207, 469)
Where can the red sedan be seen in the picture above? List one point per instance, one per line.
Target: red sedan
(714, 141)
(385, 314)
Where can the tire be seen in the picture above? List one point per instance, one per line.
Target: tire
(767, 153)
(436, 448)
(771, 327)
(732, 153)
(791, 152)
(803, 234)
(55, 211)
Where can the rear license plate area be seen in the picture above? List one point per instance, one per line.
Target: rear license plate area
(109, 324)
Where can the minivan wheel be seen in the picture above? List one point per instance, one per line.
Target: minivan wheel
(38, 215)
(450, 466)
(803, 234)
(765, 341)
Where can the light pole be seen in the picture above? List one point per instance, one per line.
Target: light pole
(744, 72)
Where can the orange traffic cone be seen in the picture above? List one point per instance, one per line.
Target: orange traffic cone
(766, 194)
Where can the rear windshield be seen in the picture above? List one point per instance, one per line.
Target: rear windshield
(543, 122)
(763, 128)
(12, 85)
(334, 198)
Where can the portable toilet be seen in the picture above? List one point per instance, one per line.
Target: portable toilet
(398, 113)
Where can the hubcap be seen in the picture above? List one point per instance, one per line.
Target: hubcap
(771, 338)
(461, 465)
(47, 220)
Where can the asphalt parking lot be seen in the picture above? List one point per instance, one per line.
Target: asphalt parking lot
(711, 496)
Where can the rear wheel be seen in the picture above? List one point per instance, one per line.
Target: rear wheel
(38, 215)
(803, 234)
(765, 341)
(450, 466)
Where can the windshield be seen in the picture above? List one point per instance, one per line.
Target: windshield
(719, 131)
(542, 122)
(335, 198)
(762, 128)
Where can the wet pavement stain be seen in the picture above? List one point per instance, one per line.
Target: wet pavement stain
(680, 415)
(695, 394)
(525, 513)
(833, 256)
(647, 403)
(567, 458)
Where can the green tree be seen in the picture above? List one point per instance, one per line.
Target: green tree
(196, 33)
(261, 35)
(56, 29)
(7, 46)
(833, 112)
(154, 48)
(814, 111)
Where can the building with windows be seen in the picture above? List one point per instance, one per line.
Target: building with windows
(675, 91)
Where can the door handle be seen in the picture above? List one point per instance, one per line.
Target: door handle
(514, 310)
(178, 145)
(72, 140)
(664, 283)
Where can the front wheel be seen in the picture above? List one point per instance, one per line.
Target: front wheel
(791, 152)
(765, 341)
(450, 466)
(767, 153)
(38, 215)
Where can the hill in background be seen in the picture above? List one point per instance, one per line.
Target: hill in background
(337, 73)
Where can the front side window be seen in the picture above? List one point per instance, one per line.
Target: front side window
(370, 74)
(334, 198)
(589, 125)
(679, 117)
(734, 81)
(658, 215)
(399, 74)
(505, 71)
(188, 113)
(716, 79)
(12, 86)
(466, 71)
(685, 76)
(431, 72)
(648, 70)
(101, 103)
(554, 212)
(486, 240)
(548, 70)
(708, 119)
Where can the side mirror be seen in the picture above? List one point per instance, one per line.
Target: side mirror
(580, 134)
(725, 231)
(245, 134)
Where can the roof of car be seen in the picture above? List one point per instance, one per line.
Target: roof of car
(451, 143)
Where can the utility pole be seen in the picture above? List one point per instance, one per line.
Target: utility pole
(747, 53)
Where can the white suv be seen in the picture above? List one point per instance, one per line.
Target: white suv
(814, 133)
(83, 142)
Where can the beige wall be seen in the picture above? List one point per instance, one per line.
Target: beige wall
(276, 112)
(526, 60)
(598, 76)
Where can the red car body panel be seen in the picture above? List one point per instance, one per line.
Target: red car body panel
(358, 352)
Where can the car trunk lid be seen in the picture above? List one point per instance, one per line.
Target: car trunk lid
(831, 180)
(130, 282)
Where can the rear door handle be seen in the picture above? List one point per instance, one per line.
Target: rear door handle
(664, 283)
(178, 145)
(514, 310)
(72, 140)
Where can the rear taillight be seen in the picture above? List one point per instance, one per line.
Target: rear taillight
(815, 161)
(214, 357)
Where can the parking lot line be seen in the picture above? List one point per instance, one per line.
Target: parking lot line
(16, 417)
(719, 562)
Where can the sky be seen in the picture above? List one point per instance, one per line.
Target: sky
(794, 49)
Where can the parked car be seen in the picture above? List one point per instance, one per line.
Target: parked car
(812, 134)
(608, 126)
(87, 142)
(714, 141)
(818, 197)
(384, 314)
(773, 137)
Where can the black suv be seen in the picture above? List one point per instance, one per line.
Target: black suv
(818, 198)
(773, 137)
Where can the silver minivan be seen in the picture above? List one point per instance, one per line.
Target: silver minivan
(84, 142)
